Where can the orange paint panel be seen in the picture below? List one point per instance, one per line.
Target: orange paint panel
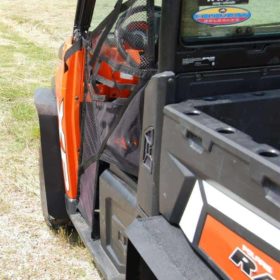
(220, 243)
(69, 93)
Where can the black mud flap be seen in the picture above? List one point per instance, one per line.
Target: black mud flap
(51, 173)
(165, 251)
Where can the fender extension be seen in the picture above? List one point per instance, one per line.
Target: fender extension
(52, 177)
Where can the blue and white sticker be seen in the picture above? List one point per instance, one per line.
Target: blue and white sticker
(222, 16)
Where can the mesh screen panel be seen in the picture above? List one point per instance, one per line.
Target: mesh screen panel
(112, 117)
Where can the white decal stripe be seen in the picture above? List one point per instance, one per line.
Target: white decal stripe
(243, 216)
(63, 146)
(192, 213)
(61, 132)
(65, 170)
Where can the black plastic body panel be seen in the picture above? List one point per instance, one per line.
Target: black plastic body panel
(198, 144)
(214, 83)
(168, 39)
(165, 249)
(256, 114)
(175, 188)
(52, 166)
(236, 55)
(118, 208)
(100, 257)
(159, 92)
(213, 150)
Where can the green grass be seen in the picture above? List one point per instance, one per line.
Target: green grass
(24, 67)
(31, 32)
(24, 127)
(23, 112)
(28, 63)
(11, 94)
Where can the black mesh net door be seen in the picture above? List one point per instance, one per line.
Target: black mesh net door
(120, 60)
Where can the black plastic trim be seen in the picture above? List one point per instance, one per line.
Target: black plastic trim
(52, 176)
(166, 251)
(101, 259)
(84, 14)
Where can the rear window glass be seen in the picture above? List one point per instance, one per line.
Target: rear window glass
(206, 20)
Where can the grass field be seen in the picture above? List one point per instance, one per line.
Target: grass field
(31, 32)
